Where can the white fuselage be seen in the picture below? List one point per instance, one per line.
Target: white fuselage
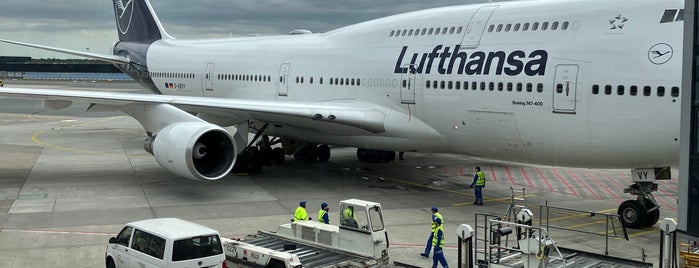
(561, 96)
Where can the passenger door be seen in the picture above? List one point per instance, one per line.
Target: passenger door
(565, 89)
(476, 26)
(120, 249)
(407, 86)
(283, 85)
(209, 79)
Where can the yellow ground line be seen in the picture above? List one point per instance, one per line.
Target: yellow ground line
(35, 138)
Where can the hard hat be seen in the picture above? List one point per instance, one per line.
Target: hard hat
(434, 209)
(323, 205)
(302, 203)
(438, 220)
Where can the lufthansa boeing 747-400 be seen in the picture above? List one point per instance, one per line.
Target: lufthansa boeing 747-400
(580, 83)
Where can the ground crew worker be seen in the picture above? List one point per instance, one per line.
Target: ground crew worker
(349, 218)
(300, 214)
(478, 183)
(435, 215)
(323, 213)
(438, 244)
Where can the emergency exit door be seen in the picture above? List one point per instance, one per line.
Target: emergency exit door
(565, 89)
(283, 85)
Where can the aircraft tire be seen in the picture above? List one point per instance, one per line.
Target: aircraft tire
(278, 156)
(633, 214)
(652, 217)
(323, 152)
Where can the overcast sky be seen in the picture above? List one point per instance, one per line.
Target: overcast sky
(90, 24)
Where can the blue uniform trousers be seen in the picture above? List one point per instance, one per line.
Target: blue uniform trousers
(428, 247)
(439, 256)
(479, 194)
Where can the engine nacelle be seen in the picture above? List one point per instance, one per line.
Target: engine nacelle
(194, 150)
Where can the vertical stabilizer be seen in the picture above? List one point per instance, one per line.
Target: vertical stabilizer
(136, 22)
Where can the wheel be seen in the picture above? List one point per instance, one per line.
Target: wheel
(278, 156)
(633, 214)
(362, 154)
(110, 263)
(323, 153)
(310, 152)
(652, 216)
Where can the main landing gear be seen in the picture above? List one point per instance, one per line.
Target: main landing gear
(644, 211)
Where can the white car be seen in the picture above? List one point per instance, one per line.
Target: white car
(166, 242)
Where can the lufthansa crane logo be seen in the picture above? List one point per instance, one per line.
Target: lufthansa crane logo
(660, 53)
(124, 12)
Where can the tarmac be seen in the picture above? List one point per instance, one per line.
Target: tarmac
(69, 180)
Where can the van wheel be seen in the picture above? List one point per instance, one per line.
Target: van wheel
(110, 263)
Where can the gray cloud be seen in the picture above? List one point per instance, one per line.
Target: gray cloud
(83, 24)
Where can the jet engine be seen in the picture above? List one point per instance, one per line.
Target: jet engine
(194, 150)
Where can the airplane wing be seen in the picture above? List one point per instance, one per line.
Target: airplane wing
(103, 57)
(322, 116)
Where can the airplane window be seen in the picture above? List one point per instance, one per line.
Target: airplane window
(668, 16)
(281, 79)
(458, 85)
(508, 27)
(516, 27)
(519, 87)
(564, 26)
(646, 91)
(297, 80)
(405, 83)
(608, 90)
(559, 88)
(336, 82)
(633, 90)
(465, 85)
(490, 28)
(331, 81)
(554, 26)
(321, 81)
(458, 30)
(342, 82)
(450, 85)
(430, 31)
(358, 82)
(535, 26)
(427, 84)
(500, 86)
(269, 78)
(509, 86)
(539, 87)
(675, 91)
(423, 31)
(661, 91)
(620, 90)
(353, 81)
(680, 15)
(595, 89)
(410, 33)
(525, 27)
(451, 30)
(404, 32)
(434, 84)
(310, 80)
(482, 85)
(444, 30)
(392, 33)
(491, 86)
(347, 81)
(544, 26)
(499, 29)
(441, 84)
(529, 87)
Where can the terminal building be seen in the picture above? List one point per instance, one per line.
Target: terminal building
(688, 207)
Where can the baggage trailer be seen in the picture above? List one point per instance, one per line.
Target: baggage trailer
(360, 240)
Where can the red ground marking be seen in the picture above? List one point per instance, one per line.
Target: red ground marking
(492, 171)
(541, 175)
(570, 172)
(564, 182)
(512, 181)
(531, 185)
(603, 186)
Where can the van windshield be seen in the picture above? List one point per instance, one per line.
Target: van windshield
(197, 247)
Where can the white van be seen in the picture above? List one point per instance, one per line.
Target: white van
(166, 242)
